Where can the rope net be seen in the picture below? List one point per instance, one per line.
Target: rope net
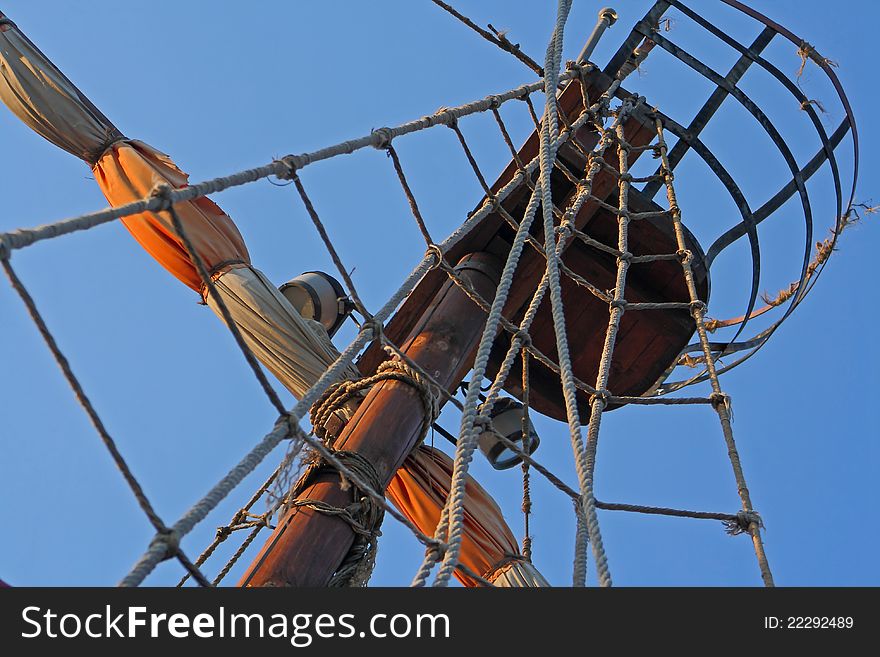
(547, 226)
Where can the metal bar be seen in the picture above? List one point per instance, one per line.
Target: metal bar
(307, 547)
(632, 41)
(769, 128)
(739, 198)
(607, 18)
(804, 103)
(781, 196)
(758, 16)
(712, 105)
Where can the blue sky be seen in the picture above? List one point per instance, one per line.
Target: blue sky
(223, 87)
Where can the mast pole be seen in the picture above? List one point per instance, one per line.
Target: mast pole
(307, 547)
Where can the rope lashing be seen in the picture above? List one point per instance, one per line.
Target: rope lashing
(381, 138)
(339, 394)
(359, 561)
(601, 396)
(807, 52)
(435, 251)
(685, 256)
(507, 562)
(170, 540)
(112, 138)
(721, 399)
(363, 515)
(743, 523)
(523, 338)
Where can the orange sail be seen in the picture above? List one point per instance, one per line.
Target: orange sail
(295, 350)
(489, 549)
(128, 171)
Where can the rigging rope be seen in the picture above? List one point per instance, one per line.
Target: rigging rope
(327, 396)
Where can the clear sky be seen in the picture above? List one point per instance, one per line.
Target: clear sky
(225, 86)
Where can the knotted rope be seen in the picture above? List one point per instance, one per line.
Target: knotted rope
(335, 398)
(363, 515)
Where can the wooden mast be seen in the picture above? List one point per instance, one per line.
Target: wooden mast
(307, 547)
(439, 328)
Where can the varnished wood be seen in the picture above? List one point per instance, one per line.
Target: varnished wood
(307, 547)
(648, 341)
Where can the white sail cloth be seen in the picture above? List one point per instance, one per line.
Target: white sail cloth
(39, 94)
(298, 351)
(519, 574)
(294, 349)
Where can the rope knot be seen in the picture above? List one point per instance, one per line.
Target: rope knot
(494, 101)
(685, 256)
(565, 228)
(292, 164)
(582, 68)
(525, 339)
(697, 308)
(626, 257)
(435, 549)
(170, 540)
(602, 396)
(618, 303)
(806, 52)
(437, 253)
(482, 423)
(381, 138)
(284, 169)
(743, 523)
(447, 117)
(719, 399)
(237, 519)
(290, 423)
(374, 325)
(162, 191)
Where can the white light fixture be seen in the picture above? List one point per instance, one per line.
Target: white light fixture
(318, 296)
(507, 416)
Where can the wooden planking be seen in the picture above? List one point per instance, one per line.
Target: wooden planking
(647, 340)
(482, 235)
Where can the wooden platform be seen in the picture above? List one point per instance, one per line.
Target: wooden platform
(648, 340)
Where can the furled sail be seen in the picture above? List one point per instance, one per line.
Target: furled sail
(295, 350)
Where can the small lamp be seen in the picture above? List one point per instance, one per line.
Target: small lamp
(507, 416)
(318, 296)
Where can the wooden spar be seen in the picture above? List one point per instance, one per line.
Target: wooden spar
(647, 343)
(438, 327)
(307, 547)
